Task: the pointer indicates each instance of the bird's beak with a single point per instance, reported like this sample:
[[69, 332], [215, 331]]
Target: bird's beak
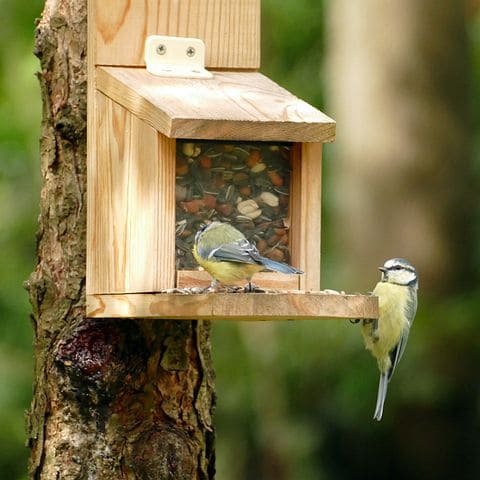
[[384, 273]]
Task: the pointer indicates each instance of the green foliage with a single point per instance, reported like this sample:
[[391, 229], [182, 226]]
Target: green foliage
[[295, 400], [20, 113], [327, 381], [293, 46], [474, 35]]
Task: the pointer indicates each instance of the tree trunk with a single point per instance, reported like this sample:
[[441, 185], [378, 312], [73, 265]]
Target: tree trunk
[[113, 399], [403, 181]]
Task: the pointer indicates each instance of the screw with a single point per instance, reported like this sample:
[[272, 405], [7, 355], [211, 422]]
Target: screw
[[190, 52], [161, 49]]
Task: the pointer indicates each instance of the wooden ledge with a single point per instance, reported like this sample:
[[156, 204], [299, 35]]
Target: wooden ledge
[[232, 306], [264, 280], [231, 106]]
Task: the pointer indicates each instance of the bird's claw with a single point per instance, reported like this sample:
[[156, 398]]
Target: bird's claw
[[374, 332], [214, 287], [252, 288]]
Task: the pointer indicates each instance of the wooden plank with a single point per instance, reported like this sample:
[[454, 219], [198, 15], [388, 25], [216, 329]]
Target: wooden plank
[[132, 192], [150, 246], [229, 28], [268, 280], [233, 306], [231, 106], [164, 220], [92, 174], [306, 197], [104, 257]]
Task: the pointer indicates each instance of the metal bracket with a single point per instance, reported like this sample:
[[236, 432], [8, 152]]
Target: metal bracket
[[176, 57]]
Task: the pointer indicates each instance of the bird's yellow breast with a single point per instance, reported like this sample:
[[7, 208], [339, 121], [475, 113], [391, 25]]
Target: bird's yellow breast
[[227, 272], [392, 302]]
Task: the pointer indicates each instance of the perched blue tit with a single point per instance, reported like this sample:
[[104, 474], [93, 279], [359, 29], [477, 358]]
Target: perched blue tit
[[387, 337], [225, 253]]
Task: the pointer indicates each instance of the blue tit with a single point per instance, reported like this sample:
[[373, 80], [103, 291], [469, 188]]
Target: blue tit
[[387, 337], [225, 253]]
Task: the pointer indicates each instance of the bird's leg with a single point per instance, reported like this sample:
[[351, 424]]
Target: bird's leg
[[214, 286], [252, 288], [374, 333]]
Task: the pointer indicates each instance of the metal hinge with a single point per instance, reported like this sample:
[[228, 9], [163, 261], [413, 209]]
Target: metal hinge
[[176, 57]]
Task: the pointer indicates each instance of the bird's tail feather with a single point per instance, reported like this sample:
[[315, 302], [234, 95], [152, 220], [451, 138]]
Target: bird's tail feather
[[382, 393], [279, 267]]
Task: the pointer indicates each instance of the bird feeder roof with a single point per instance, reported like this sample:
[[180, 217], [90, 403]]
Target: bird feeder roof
[[230, 106]]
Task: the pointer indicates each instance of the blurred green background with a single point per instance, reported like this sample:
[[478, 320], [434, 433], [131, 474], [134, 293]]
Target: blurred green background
[[295, 399]]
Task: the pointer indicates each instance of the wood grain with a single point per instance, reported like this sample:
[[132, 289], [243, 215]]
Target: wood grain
[[305, 212], [92, 172], [269, 280], [231, 106], [229, 28], [233, 306], [131, 221]]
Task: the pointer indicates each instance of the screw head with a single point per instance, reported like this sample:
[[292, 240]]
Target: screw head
[[190, 52], [161, 49]]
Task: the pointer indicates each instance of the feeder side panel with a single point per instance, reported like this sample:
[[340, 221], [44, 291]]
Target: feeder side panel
[[132, 214], [306, 212]]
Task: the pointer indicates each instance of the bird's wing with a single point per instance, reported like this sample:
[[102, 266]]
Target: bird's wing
[[241, 251], [397, 352]]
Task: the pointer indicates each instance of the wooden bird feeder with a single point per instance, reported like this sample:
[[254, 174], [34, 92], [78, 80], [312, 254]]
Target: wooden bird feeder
[[166, 153]]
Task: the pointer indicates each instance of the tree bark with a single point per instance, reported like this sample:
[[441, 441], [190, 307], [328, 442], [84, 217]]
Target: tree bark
[[403, 178], [113, 399]]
